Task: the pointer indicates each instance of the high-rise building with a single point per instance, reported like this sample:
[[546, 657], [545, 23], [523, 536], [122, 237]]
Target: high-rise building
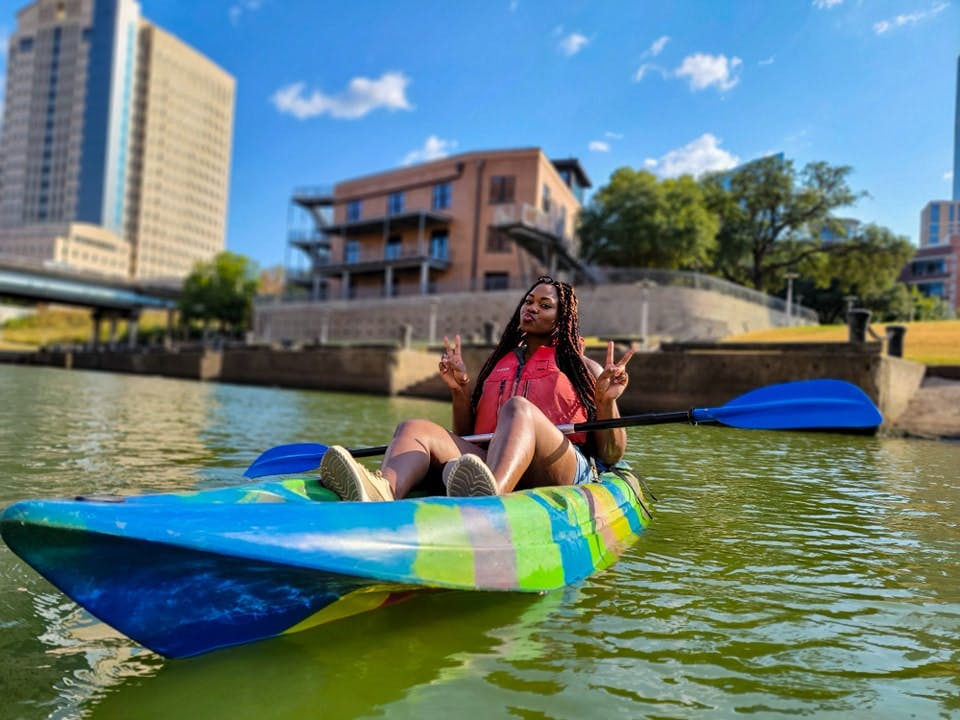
[[956, 140], [115, 148]]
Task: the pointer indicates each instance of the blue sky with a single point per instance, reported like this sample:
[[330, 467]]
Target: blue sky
[[332, 90]]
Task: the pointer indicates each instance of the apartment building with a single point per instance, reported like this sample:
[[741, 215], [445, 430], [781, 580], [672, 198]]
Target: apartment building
[[115, 147], [475, 221]]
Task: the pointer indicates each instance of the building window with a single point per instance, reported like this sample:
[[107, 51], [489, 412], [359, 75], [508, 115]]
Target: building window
[[545, 199], [394, 248], [395, 203], [439, 245], [934, 213], [498, 241], [354, 210], [351, 251], [496, 281], [501, 189], [441, 196]]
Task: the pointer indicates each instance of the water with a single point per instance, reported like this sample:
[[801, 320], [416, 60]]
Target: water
[[785, 574]]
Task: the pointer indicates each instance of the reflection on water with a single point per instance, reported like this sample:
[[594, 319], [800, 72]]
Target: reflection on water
[[784, 574]]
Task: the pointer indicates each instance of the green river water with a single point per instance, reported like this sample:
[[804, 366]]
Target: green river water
[[785, 574]]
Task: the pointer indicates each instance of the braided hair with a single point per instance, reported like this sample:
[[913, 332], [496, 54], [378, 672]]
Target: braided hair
[[566, 340]]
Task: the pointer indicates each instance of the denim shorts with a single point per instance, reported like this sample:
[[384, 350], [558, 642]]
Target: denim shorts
[[585, 469]]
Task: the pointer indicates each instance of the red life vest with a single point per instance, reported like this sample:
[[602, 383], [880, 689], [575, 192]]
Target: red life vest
[[540, 381]]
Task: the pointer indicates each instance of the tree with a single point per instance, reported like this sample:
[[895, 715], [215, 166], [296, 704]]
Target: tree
[[220, 291], [637, 220], [771, 218], [865, 265]]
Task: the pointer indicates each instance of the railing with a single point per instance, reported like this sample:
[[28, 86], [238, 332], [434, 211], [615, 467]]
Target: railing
[[551, 223], [702, 282]]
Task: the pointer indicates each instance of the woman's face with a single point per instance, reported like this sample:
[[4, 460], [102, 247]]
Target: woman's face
[[538, 311]]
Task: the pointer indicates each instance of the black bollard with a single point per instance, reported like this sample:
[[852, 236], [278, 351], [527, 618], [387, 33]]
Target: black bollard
[[857, 321], [895, 335]]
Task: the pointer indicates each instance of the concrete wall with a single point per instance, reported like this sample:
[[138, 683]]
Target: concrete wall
[[669, 380], [678, 313]]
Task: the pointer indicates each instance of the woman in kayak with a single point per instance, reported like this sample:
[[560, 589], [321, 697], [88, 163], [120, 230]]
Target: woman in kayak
[[535, 379]]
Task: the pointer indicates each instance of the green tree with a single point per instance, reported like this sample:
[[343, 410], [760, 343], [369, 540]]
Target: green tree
[[637, 220], [865, 265], [771, 217], [220, 291]]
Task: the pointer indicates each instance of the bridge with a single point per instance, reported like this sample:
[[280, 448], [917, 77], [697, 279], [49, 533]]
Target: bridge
[[110, 298]]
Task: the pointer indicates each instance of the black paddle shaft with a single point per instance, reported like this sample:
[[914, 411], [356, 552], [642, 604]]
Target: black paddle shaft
[[588, 425]]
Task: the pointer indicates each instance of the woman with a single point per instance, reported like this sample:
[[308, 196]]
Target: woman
[[535, 379]]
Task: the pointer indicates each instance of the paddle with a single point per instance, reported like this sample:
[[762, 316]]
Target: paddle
[[802, 405]]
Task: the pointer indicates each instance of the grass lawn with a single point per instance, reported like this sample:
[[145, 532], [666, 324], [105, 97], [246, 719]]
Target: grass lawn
[[65, 325], [932, 342]]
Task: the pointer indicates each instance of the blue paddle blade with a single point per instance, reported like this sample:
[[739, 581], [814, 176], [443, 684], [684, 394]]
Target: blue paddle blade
[[802, 405], [284, 459]]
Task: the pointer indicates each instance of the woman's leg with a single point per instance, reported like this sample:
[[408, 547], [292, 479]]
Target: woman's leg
[[527, 446], [419, 447]]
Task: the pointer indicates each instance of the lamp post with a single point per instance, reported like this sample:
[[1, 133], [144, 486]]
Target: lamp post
[[644, 286], [790, 276]]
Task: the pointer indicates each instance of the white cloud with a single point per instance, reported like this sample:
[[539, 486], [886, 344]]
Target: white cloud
[[702, 155], [826, 4], [613, 135], [244, 6], [573, 43], [433, 148], [657, 46], [706, 70], [599, 146], [768, 61], [362, 96], [645, 68], [948, 175], [898, 21]]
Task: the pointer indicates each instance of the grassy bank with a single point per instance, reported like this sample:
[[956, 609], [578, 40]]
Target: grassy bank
[[933, 343], [51, 326]]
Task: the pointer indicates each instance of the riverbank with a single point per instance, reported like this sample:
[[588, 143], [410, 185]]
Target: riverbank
[[675, 377]]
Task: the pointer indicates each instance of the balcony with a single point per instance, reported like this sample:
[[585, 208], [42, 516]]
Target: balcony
[[542, 234], [412, 220], [406, 257]]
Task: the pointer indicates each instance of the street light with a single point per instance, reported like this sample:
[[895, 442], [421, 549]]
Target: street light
[[790, 276]]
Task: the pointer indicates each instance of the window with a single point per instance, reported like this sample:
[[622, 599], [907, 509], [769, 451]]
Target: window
[[496, 281], [351, 251], [439, 245], [354, 210], [395, 204], [545, 199], [501, 189], [441, 196], [498, 241], [394, 248]]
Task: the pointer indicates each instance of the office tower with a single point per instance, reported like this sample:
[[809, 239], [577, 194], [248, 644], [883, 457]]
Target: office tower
[[115, 150], [956, 140]]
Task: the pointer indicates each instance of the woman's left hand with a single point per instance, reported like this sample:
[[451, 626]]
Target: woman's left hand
[[612, 381]]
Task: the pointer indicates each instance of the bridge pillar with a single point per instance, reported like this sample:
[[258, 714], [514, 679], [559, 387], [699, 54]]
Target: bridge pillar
[[132, 320], [168, 335], [96, 317], [113, 331]]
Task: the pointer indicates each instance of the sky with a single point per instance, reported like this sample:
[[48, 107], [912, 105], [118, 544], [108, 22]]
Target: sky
[[328, 91]]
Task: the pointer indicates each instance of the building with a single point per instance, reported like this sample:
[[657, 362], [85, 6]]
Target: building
[[115, 152], [935, 271], [475, 221], [956, 140]]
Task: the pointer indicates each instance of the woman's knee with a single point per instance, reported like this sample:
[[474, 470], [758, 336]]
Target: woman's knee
[[518, 408], [417, 428]]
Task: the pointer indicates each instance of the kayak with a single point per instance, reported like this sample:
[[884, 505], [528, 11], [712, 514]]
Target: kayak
[[187, 573]]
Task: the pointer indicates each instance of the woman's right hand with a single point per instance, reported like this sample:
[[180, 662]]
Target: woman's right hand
[[452, 369]]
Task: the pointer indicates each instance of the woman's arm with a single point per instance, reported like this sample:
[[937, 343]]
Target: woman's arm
[[611, 381], [454, 374]]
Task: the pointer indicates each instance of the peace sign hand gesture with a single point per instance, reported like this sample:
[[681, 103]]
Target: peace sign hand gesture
[[452, 368], [612, 381]]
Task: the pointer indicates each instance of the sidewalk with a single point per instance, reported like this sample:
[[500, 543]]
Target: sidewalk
[[934, 411]]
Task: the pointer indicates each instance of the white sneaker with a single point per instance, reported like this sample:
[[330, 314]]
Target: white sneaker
[[470, 477], [350, 480]]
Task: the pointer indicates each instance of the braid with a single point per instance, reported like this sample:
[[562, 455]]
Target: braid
[[566, 344]]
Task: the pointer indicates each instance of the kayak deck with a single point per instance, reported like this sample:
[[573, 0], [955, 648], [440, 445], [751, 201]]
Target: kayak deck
[[186, 573]]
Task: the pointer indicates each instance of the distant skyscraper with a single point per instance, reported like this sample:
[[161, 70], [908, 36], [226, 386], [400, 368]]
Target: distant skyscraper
[[956, 140], [115, 153]]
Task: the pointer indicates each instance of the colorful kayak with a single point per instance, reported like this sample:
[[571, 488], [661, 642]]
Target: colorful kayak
[[187, 573]]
